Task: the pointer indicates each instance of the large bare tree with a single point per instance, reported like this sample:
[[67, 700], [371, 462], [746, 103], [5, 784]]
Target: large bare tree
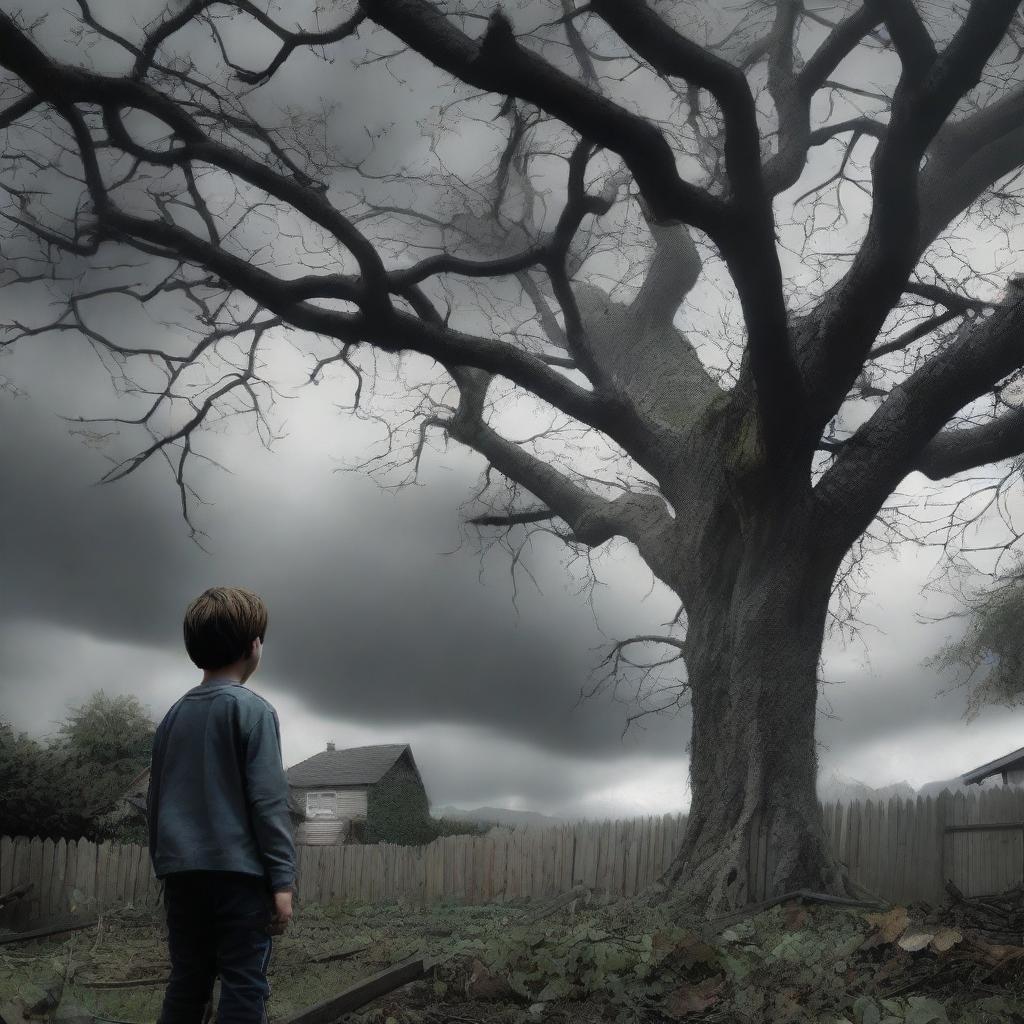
[[746, 467]]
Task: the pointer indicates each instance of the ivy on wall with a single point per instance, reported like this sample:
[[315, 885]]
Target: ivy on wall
[[398, 812]]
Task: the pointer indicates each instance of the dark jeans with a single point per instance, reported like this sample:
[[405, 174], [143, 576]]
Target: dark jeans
[[217, 925]]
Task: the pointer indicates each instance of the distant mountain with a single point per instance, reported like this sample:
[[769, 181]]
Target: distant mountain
[[837, 788], [496, 816], [843, 789], [956, 786]]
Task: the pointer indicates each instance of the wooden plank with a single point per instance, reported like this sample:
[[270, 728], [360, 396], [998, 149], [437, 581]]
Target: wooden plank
[[871, 842], [584, 855], [21, 913], [600, 853], [609, 839], [85, 869], [633, 856], [123, 855], [58, 880], [363, 992], [143, 876], [35, 856], [552, 849], [131, 872], [70, 874], [113, 880], [355, 853], [103, 853], [530, 866], [69, 924], [920, 849], [557, 844], [526, 864], [887, 850], [926, 857], [46, 878], [642, 847], [878, 824], [6, 862], [654, 869], [129, 865]]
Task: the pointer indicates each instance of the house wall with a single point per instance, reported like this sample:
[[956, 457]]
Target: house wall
[[398, 810], [351, 800], [1015, 777]]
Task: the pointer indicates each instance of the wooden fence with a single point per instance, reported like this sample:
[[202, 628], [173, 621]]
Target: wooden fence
[[902, 849]]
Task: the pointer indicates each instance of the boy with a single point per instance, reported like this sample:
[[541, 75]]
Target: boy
[[219, 833]]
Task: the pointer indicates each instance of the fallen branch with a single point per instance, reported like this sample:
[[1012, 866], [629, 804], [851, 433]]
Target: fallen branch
[[324, 957], [717, 923], [364, 991], [556, 904], [16, 894], [72, 925], [132, 983]]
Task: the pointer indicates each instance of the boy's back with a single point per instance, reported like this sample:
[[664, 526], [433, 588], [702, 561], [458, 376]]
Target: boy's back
[[219, 833], [218, 796]]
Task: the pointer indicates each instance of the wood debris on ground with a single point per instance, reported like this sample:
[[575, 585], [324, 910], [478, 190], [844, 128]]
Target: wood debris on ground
[[588, 959]]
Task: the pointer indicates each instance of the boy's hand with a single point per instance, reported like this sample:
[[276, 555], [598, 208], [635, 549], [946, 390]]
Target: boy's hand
[[282, 913]]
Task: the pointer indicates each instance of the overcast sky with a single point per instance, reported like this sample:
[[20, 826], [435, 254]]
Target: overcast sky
[[382, 627]]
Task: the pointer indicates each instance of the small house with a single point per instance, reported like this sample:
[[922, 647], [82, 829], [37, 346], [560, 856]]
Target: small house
[[1009, 766], [379, 786]]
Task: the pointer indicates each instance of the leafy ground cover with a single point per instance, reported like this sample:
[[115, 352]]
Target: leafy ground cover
[[596, 960]]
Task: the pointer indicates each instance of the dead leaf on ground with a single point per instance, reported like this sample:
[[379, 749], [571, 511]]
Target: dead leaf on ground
[[695, 998], [889, 926], [915, 939], [794, 916], [946, 938], [786, 1006], [998, 955], [483, 984]]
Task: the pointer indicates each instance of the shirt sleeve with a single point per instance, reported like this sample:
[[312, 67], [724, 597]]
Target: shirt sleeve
[[266, 788], [151, 795]]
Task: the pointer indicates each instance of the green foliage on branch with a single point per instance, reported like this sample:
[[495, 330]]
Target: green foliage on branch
[[989, 657]]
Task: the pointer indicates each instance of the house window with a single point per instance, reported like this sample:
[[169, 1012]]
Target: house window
[[322, 805]]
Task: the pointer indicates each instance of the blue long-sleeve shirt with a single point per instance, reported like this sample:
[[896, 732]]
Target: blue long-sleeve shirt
[[218, 793]]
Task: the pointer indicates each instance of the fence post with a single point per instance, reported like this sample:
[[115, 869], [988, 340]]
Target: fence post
[[942, 818]]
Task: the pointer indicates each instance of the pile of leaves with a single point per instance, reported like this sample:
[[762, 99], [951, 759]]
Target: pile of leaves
[[592, 960], [788, 964]]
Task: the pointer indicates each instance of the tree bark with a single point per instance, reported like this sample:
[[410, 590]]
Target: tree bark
[[754, 640]]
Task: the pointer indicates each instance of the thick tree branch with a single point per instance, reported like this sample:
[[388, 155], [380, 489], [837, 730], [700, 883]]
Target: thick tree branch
[[954, 451], [891, 443], [593, 520], [909, 35], [856, 307], [748, 243], [500, 65]]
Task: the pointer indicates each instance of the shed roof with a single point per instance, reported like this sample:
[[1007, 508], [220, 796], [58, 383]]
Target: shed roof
[[1000, 764], [356, 766], [135, 788]]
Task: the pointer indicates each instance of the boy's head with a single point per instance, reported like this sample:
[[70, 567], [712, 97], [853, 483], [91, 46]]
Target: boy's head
[[221, 625]]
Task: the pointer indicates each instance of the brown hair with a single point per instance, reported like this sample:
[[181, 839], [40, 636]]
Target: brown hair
[[221, 624]]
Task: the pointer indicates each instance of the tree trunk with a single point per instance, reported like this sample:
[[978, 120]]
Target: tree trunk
[[755, 628]]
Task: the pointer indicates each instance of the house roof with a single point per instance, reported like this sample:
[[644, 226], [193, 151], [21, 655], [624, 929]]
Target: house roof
[[1000, 764], [356, 766]]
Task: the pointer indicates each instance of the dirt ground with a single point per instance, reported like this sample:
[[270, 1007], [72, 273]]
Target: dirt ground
[[598, 959]]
